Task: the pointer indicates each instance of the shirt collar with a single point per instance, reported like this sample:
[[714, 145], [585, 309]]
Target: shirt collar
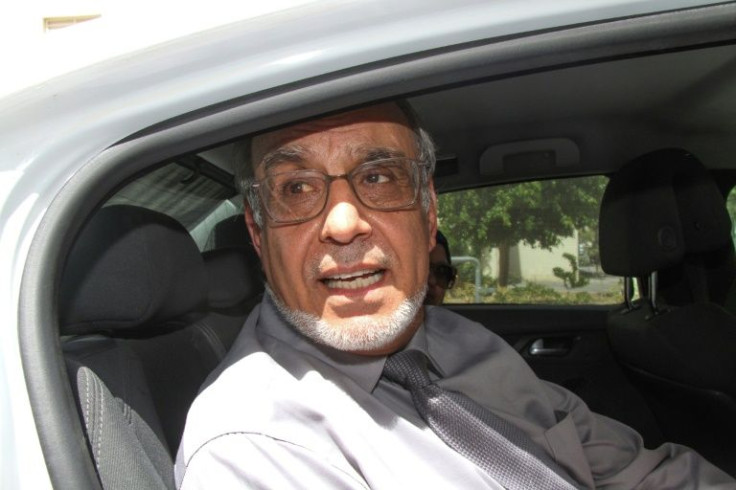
[[419, 342], [363, 370]]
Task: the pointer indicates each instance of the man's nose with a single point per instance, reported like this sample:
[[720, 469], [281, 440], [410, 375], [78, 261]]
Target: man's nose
[[344, 215]]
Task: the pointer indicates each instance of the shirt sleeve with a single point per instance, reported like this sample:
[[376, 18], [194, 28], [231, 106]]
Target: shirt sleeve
[[246, 460], [618, 459]]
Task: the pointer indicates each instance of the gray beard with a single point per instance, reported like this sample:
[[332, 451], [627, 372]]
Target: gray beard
[[354, 334]]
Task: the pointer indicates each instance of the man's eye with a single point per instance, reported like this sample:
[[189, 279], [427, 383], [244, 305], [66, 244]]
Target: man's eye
[[297, 187], [377, 178]]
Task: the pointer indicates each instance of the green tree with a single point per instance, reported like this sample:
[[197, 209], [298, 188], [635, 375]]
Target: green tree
[[538, 213]]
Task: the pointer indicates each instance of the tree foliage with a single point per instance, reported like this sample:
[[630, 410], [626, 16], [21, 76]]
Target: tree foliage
[[537, 213]]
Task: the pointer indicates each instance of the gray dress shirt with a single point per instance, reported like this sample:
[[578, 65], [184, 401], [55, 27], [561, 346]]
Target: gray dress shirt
[[282, 412]]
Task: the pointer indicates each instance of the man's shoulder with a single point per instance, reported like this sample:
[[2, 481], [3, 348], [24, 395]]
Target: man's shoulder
[[448, 316], [454, 340], [235, 386], [457, 327], [235, 401], [256, 398]]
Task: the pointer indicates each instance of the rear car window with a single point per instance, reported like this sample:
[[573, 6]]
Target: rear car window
[[534, 242], [187, 194]]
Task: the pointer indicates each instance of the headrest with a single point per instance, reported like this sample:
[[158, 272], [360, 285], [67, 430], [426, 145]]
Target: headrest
[[706, 224], [231, 232], [130, 268], [655, 210], [234, 276]]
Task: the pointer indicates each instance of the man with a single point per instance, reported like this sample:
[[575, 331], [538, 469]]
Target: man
[[442, 274], [342, 212]]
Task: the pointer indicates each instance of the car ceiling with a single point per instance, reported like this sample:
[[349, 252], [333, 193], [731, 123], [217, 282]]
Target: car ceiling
[[613, 111]]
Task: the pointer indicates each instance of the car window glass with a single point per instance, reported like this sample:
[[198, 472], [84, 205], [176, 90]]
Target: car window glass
[[731, 205], [532, 242], [193, 199]]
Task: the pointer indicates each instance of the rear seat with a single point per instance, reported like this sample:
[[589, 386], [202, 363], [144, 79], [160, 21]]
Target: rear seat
[[144, 319]]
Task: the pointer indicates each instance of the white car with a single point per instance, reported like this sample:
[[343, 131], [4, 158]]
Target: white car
[[521, 97]]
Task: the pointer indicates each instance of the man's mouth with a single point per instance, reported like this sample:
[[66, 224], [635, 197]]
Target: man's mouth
[[354, 280]]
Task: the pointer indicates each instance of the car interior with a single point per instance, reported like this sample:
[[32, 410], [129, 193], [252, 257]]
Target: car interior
[[153, 274]]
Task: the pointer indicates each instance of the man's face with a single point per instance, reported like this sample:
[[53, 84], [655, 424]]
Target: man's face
[[350, 267]]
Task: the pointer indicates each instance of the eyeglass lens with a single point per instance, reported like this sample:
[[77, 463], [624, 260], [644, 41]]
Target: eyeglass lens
[[302, 194]]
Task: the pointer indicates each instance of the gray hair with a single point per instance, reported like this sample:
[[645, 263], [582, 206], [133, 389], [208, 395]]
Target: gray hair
[[245, 171]]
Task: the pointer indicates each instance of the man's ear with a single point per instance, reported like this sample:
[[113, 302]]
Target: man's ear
[[253, 229], [432, 216]]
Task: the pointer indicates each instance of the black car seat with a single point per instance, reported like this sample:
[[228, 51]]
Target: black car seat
[[656, 211], [140, 336], [231, 232], [707, 271], [234, 272]]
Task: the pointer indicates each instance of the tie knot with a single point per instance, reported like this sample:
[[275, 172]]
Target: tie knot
[[408, 368]]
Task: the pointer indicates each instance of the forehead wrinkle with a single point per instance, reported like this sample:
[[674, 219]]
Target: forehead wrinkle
[[334, 149], [373, 153], [293, 153]]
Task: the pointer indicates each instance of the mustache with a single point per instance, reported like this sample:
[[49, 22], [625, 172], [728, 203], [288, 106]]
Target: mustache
[[352, 254]]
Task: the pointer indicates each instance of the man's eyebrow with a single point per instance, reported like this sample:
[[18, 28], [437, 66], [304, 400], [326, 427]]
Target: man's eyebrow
[[379, 153], [281, 155]]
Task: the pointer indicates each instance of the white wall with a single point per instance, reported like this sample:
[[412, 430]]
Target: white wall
[[536, 264]]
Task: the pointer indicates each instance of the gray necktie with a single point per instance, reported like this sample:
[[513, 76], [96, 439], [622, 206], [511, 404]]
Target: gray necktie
[[501, 449]]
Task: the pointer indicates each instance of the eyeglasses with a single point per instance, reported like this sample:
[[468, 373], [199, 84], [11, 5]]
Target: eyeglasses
[[298, 196], [443, 275]]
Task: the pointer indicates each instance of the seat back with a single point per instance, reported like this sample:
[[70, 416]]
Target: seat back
[[708, 269], [230, 232], [657, 211], [127, 453], [141, 330]]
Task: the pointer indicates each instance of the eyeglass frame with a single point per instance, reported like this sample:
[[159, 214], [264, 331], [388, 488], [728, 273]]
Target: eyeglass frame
[[417, 166]]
